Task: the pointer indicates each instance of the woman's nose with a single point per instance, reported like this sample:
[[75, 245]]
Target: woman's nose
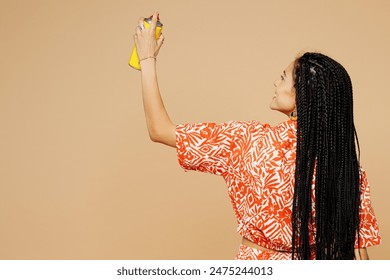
[[275, 83]]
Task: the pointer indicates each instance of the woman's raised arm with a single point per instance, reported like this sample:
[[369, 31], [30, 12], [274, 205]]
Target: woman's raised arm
[[161, 128]]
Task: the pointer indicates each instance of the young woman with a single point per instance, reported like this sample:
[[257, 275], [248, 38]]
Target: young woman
[[298, 189]]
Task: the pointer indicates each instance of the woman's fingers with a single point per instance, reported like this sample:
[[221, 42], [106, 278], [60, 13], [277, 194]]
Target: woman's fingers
[[160, 41], [137, 30], [154, 21], [141, 22]]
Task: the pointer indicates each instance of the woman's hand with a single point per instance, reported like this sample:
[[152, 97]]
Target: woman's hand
[[145, 38]]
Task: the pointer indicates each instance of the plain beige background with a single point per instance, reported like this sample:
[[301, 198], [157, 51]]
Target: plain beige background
[[79, 177]]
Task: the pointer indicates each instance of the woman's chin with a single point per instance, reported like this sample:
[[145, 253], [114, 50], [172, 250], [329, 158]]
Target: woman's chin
[[272, 106]]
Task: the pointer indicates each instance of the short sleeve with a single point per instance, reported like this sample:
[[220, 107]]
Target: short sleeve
[[369, 230], [205, 147]]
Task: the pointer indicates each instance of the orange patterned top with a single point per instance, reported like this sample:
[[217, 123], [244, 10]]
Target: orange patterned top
[[257, 162]]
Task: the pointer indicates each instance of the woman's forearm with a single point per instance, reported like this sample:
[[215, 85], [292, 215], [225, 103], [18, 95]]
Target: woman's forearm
[[160, 127]]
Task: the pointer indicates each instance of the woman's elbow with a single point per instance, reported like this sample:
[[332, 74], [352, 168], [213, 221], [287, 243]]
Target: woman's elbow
[[166, 136], [153, 135]]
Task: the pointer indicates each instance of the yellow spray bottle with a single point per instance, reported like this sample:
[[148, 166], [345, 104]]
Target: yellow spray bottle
[[134, 59]]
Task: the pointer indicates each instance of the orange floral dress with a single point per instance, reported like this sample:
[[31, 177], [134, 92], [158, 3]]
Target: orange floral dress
[[257, 162]]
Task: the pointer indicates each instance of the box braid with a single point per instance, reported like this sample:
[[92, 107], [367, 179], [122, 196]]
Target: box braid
[[325, 141]]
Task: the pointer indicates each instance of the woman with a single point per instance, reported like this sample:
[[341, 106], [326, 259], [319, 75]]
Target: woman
[[306, 199]]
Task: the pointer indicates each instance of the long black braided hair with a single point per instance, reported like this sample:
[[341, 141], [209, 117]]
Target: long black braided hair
[[325, 142]]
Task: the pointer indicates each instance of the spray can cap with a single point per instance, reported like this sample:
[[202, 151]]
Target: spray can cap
[[149, 20]]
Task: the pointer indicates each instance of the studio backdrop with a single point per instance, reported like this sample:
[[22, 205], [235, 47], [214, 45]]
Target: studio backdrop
[[79, 176]]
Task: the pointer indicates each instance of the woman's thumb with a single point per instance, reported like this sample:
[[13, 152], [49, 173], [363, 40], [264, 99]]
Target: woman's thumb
[[160, 40]]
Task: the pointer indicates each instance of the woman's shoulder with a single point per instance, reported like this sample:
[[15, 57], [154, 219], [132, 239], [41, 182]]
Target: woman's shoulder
[[253, 128], [250, 126], [256, 125]]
